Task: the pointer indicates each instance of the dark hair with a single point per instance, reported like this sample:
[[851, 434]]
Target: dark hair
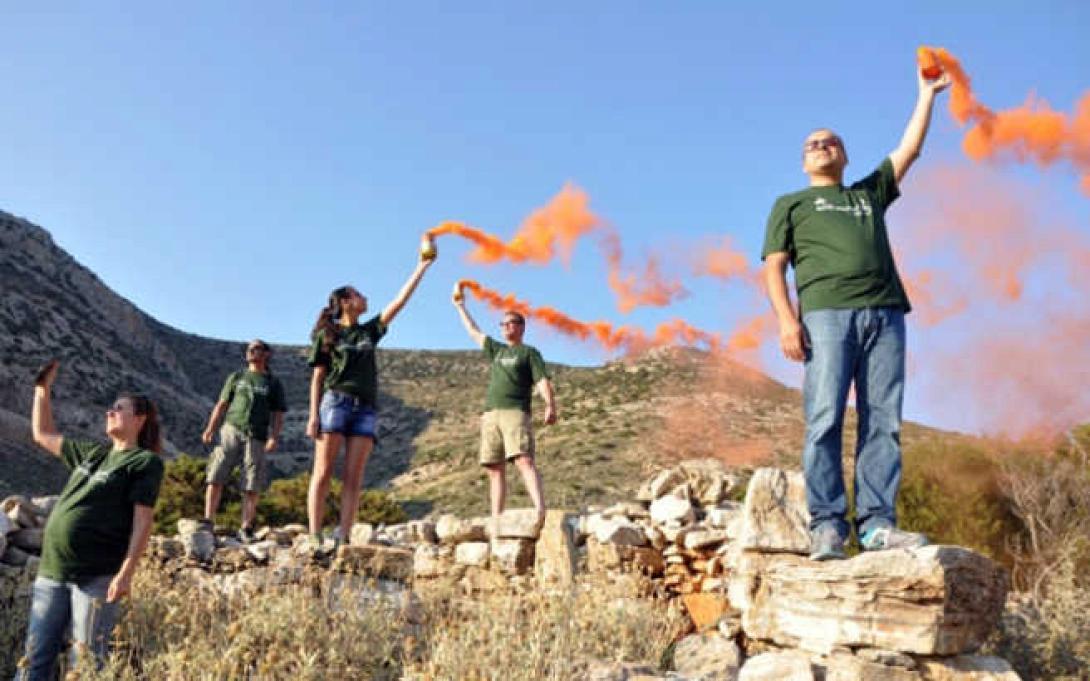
[[259, 343], [149, 436], [327, 318], [517, 316]]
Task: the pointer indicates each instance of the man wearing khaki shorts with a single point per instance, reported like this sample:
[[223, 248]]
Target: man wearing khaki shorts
[[253, 400], [506, 427]]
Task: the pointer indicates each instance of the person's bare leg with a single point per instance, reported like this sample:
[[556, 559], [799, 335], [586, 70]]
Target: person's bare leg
[[355, 461], [532, 479], [249, 509], [325, 453], [497, 493], [212, 495]]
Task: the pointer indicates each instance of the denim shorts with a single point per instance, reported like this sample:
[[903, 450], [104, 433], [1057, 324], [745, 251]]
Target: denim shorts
[[347, 415]]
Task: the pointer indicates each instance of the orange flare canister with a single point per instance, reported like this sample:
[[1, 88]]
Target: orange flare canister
[[929, 64]]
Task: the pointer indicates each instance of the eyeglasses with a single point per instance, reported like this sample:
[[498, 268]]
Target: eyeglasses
[[823, 143]]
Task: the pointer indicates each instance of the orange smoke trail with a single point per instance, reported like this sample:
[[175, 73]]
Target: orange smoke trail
[[752, 333], [1032, 132], [722, 262], [609, 336], [648, 288], [550, 230]]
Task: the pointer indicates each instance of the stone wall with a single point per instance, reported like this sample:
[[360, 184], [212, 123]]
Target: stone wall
[[760, 608]]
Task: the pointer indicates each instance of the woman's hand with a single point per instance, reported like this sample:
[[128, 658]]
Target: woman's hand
[[47, 374], [312, 427], [120, 585]]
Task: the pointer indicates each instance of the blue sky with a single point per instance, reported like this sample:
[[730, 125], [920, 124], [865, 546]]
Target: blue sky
[[224, 165]]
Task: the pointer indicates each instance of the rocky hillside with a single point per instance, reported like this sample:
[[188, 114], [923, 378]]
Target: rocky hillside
[[616, 419]]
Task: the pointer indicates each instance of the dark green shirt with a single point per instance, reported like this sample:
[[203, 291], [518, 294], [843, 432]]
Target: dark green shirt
[[252, 397], [516, 369], [836, 237], [351, 361], [89, 529]]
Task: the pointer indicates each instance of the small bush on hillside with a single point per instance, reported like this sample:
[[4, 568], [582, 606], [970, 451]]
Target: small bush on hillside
[[1047, 634], [182, 493], [953, 493]]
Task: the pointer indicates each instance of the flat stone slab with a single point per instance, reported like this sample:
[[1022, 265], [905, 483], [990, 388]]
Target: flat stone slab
[[937, 600]]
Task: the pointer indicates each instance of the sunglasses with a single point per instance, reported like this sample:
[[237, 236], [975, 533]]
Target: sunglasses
[[116, 408], [257, 348], [823, 143], [510, 322]]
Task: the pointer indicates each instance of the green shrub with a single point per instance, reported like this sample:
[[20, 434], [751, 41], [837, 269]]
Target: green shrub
[[182, 496], [953, 493]]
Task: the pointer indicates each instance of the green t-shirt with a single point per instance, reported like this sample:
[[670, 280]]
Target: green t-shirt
[[351, 361], [89, 529], [252, 396], [836, 237], [516, 369]]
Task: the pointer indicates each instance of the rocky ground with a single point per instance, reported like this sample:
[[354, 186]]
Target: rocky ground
[[759, 609]]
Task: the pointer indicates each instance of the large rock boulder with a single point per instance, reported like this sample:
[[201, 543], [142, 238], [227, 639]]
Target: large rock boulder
[[789, 665], [937, 600], [517, 523], [451, 529], [774, 516], [513, 556], [672, 509], [199, 542], [967, 668], [707, 656]]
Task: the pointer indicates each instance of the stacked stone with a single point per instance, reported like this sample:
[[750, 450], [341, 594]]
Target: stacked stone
[[679, 529], [761, 608], [22, 522], [916, 615]]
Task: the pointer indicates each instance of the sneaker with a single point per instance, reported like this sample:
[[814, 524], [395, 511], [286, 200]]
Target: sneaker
[[310, 545], [338, 538], [246, 535], [826, 544], [206, 524], [887, 537]]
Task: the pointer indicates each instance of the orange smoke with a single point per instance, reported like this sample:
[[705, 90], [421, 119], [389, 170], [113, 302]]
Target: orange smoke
[[752, 333], [549, 231], [1004, 271], [609, 336], [722, 262], [1031, 132], [647, 288]]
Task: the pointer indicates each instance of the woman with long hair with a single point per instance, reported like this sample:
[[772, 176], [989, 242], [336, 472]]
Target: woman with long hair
[[343, 392], [97, 531]]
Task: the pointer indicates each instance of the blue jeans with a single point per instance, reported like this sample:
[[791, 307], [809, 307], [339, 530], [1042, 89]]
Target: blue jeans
[[865, 346], [60, 610]]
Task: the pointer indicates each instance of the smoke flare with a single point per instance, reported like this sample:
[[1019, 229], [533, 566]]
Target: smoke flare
[[609, 336], [549, 231], [1031, 132]]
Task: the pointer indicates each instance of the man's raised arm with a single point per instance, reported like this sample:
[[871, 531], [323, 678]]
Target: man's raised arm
[[912, 141]]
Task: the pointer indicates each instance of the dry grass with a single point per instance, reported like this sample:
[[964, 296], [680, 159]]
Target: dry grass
[[168, 633]]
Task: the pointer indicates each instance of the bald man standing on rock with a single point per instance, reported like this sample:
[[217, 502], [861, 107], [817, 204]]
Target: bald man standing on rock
[[848, 329]]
